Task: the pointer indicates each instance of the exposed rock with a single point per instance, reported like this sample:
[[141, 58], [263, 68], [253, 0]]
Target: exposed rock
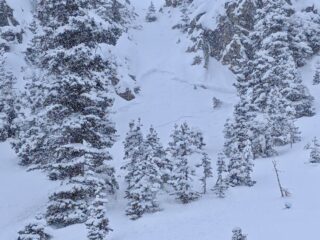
[[175, 3], [228, 42], [224, 43], [6, 15], [127, 94], [10, 31]]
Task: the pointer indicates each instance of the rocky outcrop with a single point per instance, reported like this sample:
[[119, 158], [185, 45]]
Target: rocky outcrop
[[175, 3], [6, 15], [228, 42], [10, 32]]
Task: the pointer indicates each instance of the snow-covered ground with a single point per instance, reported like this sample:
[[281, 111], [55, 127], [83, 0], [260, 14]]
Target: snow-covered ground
[[173, 91], [22, 194]]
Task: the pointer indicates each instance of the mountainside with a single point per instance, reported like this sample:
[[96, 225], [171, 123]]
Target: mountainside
[[186, 62]]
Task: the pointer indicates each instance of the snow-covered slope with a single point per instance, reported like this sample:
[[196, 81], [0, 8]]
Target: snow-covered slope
[[173, 91], [22, 194]]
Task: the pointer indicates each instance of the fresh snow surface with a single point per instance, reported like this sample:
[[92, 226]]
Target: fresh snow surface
[[173, 91], [22, 194]]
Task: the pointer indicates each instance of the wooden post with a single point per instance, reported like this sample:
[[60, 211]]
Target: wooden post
[[278, 178]]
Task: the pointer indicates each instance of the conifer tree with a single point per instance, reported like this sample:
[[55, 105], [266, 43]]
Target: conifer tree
[[7, 101], [238, 235], [132, 149], [197, 140], [244, 141], [70, 100], [185, 24], [221, 184], [315, 150], [273, 62], [180, 149], [144, 171], [236, 130], [240, 166], [299, 41], [160, 155], [185, 18], [248, 159], [117, 12], [206, 171], [246, 125], [316, 76], [35, 230], [151, 15], [309, 24], [97, 223], [280, 116], [145, 184]]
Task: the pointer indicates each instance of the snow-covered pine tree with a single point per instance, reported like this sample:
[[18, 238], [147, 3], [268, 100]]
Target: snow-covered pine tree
[[316, 76], [206, 171], [84, 179], [247, 125], [7, 101], [310, 26], [118, 11], [298, 39], [144, 171], [221, 185], [97, 223], [70, 101], [151, 14], [197, 140], [236, 167], [240, 165], [272, 68], [35, 230], [315, 150], [180, 148], [160, 155], [236, 130], [248, 159], [132, 148], [185, 17], [273, 61], [280, 117], [68, 205], [184, 24], [238, 235]]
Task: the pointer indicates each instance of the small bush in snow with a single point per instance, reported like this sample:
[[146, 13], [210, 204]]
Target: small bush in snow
[[35, 230], [207, 171], [316, 77], [197, 60], [151, 15], [216, 103], [238, 235], [315, 150], [222, 184]]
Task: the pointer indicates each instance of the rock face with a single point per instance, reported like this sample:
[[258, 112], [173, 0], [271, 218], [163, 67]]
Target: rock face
[[6, 15], [228, 42], [175, 3], [10, 31]]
